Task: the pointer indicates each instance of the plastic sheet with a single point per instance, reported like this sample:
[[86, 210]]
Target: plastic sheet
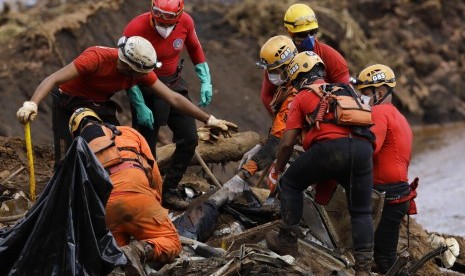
[[64, 233]]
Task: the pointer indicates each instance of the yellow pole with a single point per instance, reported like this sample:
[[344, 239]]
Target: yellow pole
[[30, 158]]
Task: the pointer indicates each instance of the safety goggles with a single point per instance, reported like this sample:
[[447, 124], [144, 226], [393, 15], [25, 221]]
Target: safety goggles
[[302, 21], [157, 12], [304, 35]]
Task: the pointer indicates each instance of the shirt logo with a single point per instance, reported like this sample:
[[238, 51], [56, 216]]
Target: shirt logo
[[177, 44]]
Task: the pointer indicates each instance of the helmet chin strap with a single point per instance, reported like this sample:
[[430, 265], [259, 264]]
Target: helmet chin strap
[[380, 101]]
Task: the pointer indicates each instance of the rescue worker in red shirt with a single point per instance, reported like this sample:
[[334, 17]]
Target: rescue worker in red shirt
[[275, 55], [331, 152], [92, 79], [134, 207], [391, 158], [170, 30], [302, 26]]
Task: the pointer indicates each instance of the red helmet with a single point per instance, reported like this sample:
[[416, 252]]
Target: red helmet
[[167, 11]]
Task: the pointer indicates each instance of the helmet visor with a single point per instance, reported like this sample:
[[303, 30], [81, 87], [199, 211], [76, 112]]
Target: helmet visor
[[159, 13]]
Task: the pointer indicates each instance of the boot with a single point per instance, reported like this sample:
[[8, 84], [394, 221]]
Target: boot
[[363, 263], [137, 253], [172, 199], [285, 241]]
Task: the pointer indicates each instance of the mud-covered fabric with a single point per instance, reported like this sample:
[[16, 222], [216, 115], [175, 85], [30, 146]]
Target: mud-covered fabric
[[64, 233], [349, 162]]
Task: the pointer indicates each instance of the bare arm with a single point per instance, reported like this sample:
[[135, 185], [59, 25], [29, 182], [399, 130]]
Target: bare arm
[[178, 101], [286, 147], [63, 75]]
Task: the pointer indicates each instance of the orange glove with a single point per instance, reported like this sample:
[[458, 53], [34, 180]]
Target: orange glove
[[273, 178]]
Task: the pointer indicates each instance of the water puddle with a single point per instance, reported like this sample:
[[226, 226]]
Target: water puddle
[[439, 161]]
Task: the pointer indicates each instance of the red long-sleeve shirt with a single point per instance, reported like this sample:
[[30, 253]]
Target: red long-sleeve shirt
[[168, 49], [393, 145], [337, 71]]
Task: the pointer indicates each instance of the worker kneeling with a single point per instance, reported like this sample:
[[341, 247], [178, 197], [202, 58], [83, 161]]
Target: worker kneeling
[[134, 208]]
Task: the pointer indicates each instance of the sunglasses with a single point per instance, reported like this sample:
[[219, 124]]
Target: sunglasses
[[157, 12]]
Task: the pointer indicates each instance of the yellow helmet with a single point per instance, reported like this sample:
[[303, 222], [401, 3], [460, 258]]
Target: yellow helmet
[[303, 62], [80, 113], [277, 51], [376, 75], [300, 18]]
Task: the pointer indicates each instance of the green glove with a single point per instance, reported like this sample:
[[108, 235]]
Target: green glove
[[143, 113], [206, 89]]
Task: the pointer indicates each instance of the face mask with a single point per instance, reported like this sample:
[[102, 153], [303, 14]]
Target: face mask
[[164, 31], [275, 79], [307, 44], [365, 99]]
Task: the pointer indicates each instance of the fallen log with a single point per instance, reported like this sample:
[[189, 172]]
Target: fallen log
[[226, 149]]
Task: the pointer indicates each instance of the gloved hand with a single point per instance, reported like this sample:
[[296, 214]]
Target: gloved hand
[[248, 155], [450, 256], [143, 113], [27, 112], [224, 125], [206, 89], [236, 186], [218, 126], [273, 179]]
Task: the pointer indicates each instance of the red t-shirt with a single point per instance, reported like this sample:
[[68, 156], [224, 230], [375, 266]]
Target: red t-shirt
[[393, 145], [169, 49], [337, 71], [98, 76], [306, 102]]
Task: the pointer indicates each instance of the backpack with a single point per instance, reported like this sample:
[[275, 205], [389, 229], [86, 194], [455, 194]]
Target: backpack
[[341, 100]]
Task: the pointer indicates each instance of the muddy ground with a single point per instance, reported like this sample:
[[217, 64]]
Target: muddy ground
[[422, 40]]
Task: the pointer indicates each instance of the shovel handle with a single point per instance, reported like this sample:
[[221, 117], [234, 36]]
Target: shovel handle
[[30, 158]]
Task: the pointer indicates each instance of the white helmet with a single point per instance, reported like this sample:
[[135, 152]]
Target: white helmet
[[138, 53]]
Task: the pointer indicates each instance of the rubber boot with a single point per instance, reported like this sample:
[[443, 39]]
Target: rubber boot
[[285, 241], [363, 263], [137, 253]]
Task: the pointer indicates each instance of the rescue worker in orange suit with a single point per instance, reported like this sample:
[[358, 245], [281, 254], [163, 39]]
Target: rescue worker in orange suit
[[331, 152], [92, 79], [391, 159], [170, 29], [302, 26], [134, 208], [275, 55]]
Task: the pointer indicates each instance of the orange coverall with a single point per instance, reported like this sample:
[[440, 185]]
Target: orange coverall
[[134, 208]]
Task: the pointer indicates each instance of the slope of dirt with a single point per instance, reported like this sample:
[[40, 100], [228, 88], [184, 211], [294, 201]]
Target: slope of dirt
[[421, 40]]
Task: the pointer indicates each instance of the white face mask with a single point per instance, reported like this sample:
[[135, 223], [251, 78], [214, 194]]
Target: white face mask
[[275, 79], [164, 31], [365, 99]]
